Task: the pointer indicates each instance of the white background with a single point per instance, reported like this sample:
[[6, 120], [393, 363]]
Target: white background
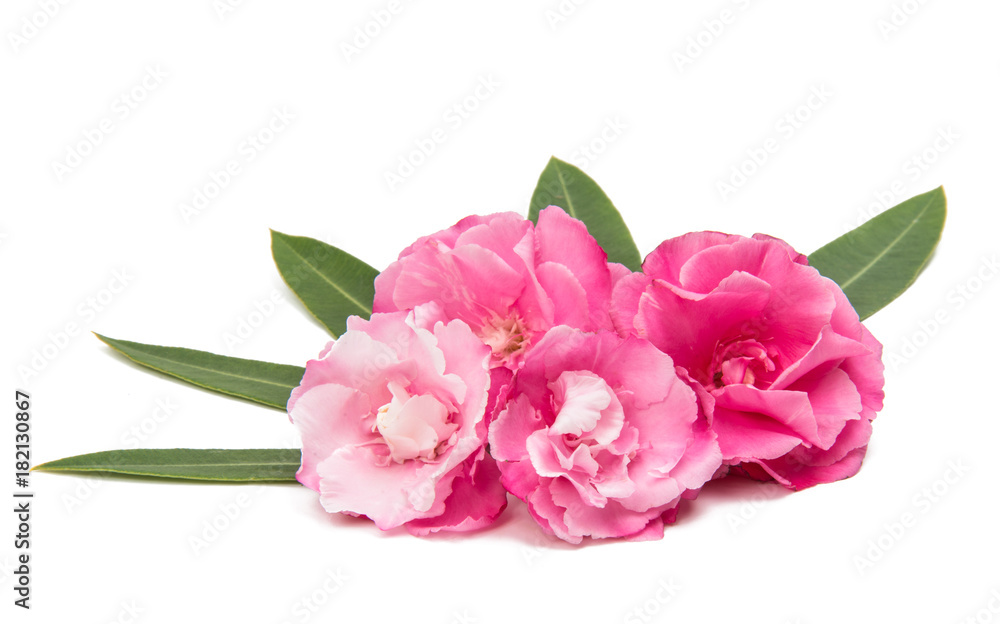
[[672, 129]]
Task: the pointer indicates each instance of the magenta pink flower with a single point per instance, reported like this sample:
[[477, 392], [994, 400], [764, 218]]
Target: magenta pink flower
[[393, 426], [507, 279], [599, 437], [787, 375]]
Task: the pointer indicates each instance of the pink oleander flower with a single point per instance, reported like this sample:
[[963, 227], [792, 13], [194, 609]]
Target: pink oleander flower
[[392, 419], [508, 280], [788, 377], [600, 438]]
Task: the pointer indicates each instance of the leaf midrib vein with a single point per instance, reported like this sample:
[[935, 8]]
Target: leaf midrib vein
[[361, 306], [153, 466], [202, 368], [888, 247], [565, 189]]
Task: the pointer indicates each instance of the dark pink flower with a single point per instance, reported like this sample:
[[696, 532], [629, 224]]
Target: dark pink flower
[[509, 280], [787, 375]]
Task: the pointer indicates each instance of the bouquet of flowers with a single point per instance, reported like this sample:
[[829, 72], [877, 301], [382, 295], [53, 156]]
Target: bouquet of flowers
[[539, 357]]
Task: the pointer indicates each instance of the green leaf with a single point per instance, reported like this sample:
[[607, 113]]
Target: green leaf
[[196, 464], [331, 283], [877, 261], [561, 184], [263, 382]]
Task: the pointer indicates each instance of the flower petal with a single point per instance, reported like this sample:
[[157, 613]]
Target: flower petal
[[328, 417], [477, 499]]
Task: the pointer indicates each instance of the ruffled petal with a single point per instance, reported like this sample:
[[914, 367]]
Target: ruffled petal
[[328, 417], [477, 499]]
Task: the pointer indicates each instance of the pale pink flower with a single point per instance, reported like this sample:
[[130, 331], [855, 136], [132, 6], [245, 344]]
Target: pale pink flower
[[787, 375], [392, 419], [600, 438]]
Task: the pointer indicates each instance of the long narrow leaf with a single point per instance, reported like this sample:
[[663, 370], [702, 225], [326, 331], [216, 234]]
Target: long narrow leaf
[[561, 184], [266, 383], [190, 464], [875, 262], [332, 284]]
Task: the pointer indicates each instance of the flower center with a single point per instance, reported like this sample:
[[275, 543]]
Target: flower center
[[507, 337], [587, 409], [740, 361], [587, 444], [414, 427]]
